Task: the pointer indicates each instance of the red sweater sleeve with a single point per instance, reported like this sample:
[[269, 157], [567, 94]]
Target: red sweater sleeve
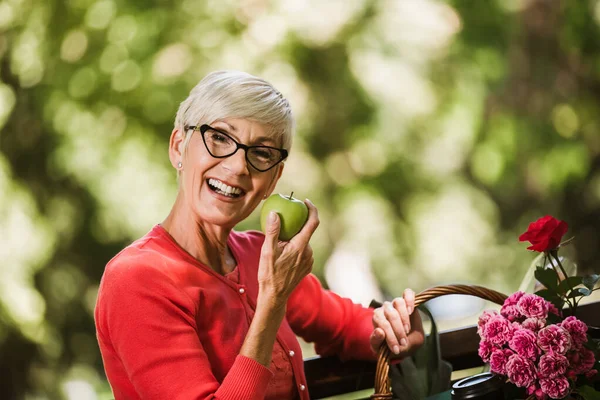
[[336, 325], [148, 324]]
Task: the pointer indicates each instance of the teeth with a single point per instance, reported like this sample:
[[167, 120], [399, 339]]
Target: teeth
[[223, 187]]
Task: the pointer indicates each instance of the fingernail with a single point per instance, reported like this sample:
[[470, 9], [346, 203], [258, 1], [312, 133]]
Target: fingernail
[[272, 217], [409, 309], [396, 349], [403, 342], [406, 328], [309, 201]]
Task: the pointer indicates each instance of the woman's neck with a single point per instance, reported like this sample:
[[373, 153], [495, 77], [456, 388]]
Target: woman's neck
[[205, 242]]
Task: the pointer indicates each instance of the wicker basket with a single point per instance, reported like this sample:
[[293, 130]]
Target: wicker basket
[[382, 380]]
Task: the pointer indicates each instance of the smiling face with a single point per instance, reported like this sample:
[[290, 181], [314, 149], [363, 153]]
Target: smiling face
[[222, 191]]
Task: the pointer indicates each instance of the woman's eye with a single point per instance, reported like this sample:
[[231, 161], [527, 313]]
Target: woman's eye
[[265, 155], [217, 137]]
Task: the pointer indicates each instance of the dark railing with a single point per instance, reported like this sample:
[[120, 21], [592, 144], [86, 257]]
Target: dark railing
[[328, 376]]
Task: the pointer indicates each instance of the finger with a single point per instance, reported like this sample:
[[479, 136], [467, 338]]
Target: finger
[[393, 316], [400, 306], [377, 337], [309, 227], [380, 322], [271, 234], [409, 297], [392, 326]]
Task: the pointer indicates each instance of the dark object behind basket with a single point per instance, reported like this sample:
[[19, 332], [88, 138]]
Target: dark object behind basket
[[478, 387]]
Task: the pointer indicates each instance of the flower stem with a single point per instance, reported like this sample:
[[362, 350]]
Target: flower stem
[[555, 256]]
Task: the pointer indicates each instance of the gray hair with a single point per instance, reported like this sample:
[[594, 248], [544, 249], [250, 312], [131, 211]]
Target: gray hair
[[235, 94]]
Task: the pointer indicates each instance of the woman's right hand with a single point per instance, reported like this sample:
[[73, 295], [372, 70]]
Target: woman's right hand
[[284, 264]]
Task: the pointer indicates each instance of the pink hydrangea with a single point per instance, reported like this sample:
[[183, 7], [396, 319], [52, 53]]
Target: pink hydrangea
[[498, 360], [554, 339], [513, 299], [509, 309], [534, 324], [485, 350], [533, 306], [581, 361], [523, 342], [555, 388], [577, 329], [553, 365], [520, 370], [483, 319], [498, 330], [511, 313], [535, 390], [553, 310]]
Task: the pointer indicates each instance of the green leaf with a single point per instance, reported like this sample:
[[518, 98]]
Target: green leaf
[[569, 283], [590, 281], [588, 393], [549, 295], [579, 292], [547, 277]]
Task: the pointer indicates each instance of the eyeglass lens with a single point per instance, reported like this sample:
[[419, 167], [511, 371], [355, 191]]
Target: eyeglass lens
[[221, 145]]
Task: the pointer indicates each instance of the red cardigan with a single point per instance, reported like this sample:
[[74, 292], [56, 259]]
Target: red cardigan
[[171, 328]]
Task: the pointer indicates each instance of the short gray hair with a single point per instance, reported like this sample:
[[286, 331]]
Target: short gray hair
[[236, 94]]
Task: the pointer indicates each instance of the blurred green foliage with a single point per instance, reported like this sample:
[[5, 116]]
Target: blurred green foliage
[[429, 135]]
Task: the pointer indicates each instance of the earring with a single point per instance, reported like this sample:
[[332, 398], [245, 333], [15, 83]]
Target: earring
[[179, 165]]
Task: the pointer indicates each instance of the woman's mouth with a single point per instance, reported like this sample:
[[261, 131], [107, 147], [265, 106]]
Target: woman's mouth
[[223, 189]]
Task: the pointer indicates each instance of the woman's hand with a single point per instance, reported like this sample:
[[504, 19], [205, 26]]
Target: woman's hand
[[398, 324], [284, 264]]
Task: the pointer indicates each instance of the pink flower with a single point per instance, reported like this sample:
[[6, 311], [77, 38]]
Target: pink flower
[[591, 373], [485, 350], [553, 365], [554, 339], [581, 361], [534, 324], [509, 309], [513, 299], [498, 360], [520, 370], [553, 310], [498, 330], [556, 388], [483, 320], [577, 329], [536, 390], [524, 343], [511, 313], [533, 306]]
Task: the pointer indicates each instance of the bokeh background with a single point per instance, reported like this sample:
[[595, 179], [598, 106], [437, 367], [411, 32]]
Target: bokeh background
[[430, 133]]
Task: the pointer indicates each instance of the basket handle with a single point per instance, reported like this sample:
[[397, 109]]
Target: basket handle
[[382, 380]]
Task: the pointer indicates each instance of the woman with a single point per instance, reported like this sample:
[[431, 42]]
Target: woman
[[195, 310]]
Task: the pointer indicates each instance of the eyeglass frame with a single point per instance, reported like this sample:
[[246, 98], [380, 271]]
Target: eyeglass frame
[[205, 127]]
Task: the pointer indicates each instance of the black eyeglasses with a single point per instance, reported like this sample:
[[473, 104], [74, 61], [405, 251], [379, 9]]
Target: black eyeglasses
[[220, 145]]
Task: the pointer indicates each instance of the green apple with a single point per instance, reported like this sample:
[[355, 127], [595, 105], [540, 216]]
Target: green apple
[[293, 214]]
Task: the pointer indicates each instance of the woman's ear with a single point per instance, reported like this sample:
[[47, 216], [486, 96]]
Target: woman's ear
[[176, 148]]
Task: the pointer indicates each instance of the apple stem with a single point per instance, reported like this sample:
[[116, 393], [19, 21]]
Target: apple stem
[[291, 195]]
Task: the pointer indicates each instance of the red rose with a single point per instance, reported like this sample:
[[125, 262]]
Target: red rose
[[544, 234]]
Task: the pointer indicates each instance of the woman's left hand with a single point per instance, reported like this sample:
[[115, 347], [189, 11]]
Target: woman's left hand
[[398, 324]]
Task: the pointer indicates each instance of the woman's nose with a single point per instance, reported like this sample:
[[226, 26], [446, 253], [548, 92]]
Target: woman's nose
[[237, 163]]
